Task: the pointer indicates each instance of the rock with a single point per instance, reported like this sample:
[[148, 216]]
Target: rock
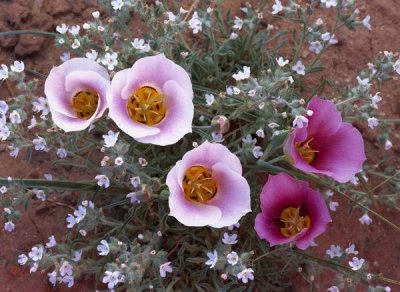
[[17, 15], [9, 41], [58, 7], [28, 44]]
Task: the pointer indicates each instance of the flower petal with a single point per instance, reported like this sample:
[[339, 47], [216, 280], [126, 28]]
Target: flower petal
[[69, 124]]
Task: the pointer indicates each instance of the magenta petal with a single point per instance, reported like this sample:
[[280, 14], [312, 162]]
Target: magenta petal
[[268, 230], [325, 120], [178, 119], [342, 155], [233, 195]]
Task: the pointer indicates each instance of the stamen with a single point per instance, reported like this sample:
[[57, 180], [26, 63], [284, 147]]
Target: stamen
[[146, 106], [293, 222], [305, 151], [198, 184], [85, 103]]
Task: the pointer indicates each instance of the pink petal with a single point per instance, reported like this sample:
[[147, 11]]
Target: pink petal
[[69, 124]]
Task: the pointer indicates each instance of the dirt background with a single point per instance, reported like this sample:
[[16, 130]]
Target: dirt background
[[378, 243]]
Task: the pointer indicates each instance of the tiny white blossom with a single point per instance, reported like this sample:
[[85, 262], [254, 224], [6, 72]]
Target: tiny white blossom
[[3, 190], [232, 258], [260, 133], [212, 259], [242, 75], [164, 269], [366, 23], [39, 194], [110, 60], [333, 206], [171, 16], [113, 278], [33, 123], [217, 137], [22, 259], [80, 213], [363, 81], [77, 255], [133, 198], [76, 44], [71, 221], [195, 23], [66, 269], [356, 263], [69, 280], [135, 181], [83, 232], [373, 122], [139, 44], [333, 289], [257, 152], [300, 122], [233, 36], [7, 211], [252, 93], [9, 226], [74, 30], [3, 107], [351, 249], [18, 66], [101, 28], [246, 275], [388, 144], [52, 277], [52, 242], [396, 67], [119, 161], [142, 161], [117, 4], [334, 251], [34, 268], [329, 3], [315, 47], [182, 10], [86, 26], [41, 105], [277, 7], [3, 72], [238, 23], [248, 140], [36, 253], [92, 55], [365, 219], [15, 118], [282, 62], [110, 139], [229, 239], [62, 29], [375, 100], [209, 99], [103, 248], [102, 180], [96, 14], [299, 68], [62, 153]]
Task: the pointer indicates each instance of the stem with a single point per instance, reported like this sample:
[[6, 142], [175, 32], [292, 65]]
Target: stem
[[18, 32]]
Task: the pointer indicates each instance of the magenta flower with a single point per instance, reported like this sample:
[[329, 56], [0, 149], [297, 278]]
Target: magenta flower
[[76, 93], [207, 187], [326, 145], [290, 211], [152, 101]]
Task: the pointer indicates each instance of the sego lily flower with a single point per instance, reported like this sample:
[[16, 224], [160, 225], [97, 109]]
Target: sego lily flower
[[207, 187], [326, 145], [290, 211], [152, 101], [76, 92]]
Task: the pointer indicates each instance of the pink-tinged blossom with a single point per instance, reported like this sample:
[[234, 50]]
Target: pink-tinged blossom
[[204, 185], [76, 93], [165, 268], [327, 145], [152, 101], [246, 275], [290, 211]]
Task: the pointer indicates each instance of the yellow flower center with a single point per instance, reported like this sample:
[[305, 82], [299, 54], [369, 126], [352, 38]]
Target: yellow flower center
[[293, 222], [146, 106], [85, 103], [305, 151], [198, 184]]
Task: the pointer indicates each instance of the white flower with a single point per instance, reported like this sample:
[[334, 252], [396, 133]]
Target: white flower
[[257, 153], [171, 16], [282, 62], [366, 23], [74, 30], [388, 144], [92, 55], [334, 251], [96, 14], [356, 263], [315, 47], [62, 29], [273, 125], [62, 153], [139, 44], [365, 219], [232, 258], [209, 99], [48, 176], [3, 72], [9, 226], [300, 122], [260, 133], [242, 75], [117, 4], [77, 255], [217, 137], [80, 214], [52, 277], [373, 122], [110, 139], [76, 44], [212, 259], [39, 194], [52, 242], [327, 37], [40, 144], [277, 7], [36, 253], [101, 28], [119, 161], [351, 249], [102, 180], [113, 278], [246, 275], [71, 221], [22, 259], [299, 68], [86, 25], [33, 123], [396, 67], [252, 93], [329, 3], [103, 248], [7, 211], [34, 268], [17, 67], [41, 105], [248, 140], [3, 190], [142, 161], [363, 81], [333, 289], [83, 232], [233, 36], [3, 107], [66, 269], [333, 206], [195, 23], [165, 268], [375, 100], [354, 180], [135, 181], [229, 239], [4, 133], [15, 118], [110, 60], [69, 280], [238, 23]]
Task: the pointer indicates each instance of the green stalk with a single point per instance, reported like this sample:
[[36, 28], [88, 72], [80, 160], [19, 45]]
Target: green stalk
[[18, 32]]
